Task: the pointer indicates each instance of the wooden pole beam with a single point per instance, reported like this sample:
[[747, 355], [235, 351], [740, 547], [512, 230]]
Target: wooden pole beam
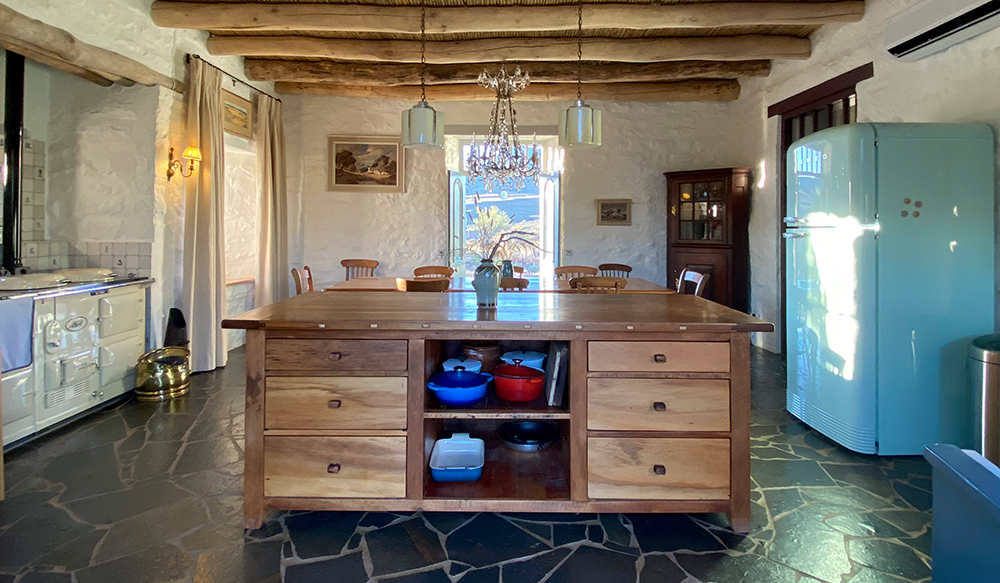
[[296, 17], [699, 90], [59, 45], [643, 50], [51, 60], [391, 74]]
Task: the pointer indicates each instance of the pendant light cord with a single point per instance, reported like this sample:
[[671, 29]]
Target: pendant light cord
[[579, 51], [423, 46]]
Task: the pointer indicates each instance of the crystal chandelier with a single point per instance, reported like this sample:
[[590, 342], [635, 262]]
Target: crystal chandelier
[[580, 125], [423, 128], [501, 161]]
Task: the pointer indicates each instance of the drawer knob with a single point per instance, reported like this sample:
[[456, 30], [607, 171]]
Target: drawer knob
[[660, 358], [659, 470], [659, 406], [334, 404], [336, 356], [333, 469]]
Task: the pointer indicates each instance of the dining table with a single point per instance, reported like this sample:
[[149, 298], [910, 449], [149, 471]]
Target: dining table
[[536, 284]]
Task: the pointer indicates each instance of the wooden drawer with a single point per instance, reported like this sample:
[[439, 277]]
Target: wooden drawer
[[335, 403], [658, 404], [325, 354], [658, 468], [335, 467], [658, 356]]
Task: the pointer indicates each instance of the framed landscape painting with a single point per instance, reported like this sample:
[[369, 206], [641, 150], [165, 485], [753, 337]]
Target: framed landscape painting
[[366, 164], [614, 212], [237, 115]]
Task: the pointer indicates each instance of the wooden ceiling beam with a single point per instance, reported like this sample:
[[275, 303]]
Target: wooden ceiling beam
[[470, 19], [699, 90], [644, 50], [392, 74]]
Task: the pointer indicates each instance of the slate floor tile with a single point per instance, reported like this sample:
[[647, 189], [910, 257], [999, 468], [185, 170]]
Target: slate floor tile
[[85, 473], [435, 576], [724, 568], [205, 455], [153, 565], [487, 575], [534, 569], [321, 534], [660, 569], [868, 477], [888, 557], [73, 555], [151, 528], [45, 577], [784, 473], [347, 569], [250, 563], [116, 506], [616, 531], [917, 498], [404, 546], [671, 532], [806, 544], [27, 539], [488, 540], [568, 533], [592, 565], [446, 522]]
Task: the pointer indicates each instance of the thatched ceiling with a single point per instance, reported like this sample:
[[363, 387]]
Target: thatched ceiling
[[663, 49]]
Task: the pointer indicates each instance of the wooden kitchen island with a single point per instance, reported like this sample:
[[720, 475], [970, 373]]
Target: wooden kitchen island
[[655, 418]]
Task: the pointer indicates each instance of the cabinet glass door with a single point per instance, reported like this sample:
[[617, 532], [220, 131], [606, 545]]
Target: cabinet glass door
[[701, 211]]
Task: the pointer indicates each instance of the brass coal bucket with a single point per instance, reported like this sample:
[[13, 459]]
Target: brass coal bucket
[[163, 374]]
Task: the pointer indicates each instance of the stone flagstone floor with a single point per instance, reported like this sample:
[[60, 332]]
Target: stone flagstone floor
[[152, 493]]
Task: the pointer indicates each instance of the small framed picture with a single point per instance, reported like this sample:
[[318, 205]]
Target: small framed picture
[[366, 164], [616, 212], [237, 115]]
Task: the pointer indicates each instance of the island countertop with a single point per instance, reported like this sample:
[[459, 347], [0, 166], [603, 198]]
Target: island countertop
[[516, 311]]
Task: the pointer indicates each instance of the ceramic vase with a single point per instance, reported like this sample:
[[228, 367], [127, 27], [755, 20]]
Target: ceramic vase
[[487, 284], [506, 268]]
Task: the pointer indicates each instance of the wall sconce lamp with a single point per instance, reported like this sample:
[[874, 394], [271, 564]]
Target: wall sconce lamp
[[192, 155]]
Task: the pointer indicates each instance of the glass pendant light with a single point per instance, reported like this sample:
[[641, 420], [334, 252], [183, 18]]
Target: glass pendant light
[[423, 128], [580, 125]]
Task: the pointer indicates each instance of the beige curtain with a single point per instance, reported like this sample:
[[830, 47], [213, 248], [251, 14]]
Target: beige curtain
[[272, 280], [204, 289]]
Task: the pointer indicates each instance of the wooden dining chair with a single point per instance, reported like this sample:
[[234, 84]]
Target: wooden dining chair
[[700, 281], [513, 284], [303, 279], [359, 267], [614, 270], [434, 271], [598, 285], [518, 271], [423, 284], [571, 271]]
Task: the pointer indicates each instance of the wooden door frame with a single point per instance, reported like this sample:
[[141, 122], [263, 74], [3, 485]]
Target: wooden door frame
[[822, 95]]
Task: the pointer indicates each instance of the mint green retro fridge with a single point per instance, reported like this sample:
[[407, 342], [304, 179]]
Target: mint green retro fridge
[[889, 276]]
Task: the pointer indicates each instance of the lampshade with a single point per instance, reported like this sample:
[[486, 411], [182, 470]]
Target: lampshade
[[192, 153], [580, 126], [423, 128]]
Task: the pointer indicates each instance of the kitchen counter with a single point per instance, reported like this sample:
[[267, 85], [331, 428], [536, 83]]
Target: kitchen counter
[[656, 414]]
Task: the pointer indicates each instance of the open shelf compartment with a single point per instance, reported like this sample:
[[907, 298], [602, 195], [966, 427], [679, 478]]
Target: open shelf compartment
[[507, 474], [492, 406]]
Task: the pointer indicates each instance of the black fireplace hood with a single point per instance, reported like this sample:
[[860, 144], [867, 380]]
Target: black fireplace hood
[[13, 131]]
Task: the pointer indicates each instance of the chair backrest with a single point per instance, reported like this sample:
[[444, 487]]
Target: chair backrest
[[700, 281], [513, 283], [614, 269], [598, 285], [303, 279], [359, 267], [571, 271], [433, 271], [518, 270], [423, 284]]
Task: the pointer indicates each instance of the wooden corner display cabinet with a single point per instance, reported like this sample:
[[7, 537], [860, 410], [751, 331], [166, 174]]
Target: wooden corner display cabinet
[[708, 212], [655, 416]]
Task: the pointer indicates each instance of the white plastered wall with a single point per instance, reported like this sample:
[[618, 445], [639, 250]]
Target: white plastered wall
[[958, 85], [125, 26], [404, 231]]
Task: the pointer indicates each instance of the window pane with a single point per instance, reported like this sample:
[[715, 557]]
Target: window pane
[[686, 190], [796, 128], [715, 191], [686, 231], [853, 109], [701, 191], [807, 125], [838, 112], [717, 230], [687, 211]]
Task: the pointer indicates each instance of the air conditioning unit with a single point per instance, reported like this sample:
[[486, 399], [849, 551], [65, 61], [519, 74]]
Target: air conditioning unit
[[934, 25]]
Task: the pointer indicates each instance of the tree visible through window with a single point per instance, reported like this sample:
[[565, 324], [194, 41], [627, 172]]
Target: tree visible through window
[[480, 216]]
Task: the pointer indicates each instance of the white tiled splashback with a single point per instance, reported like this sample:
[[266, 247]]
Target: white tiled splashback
[[32, 192], [121, 257]]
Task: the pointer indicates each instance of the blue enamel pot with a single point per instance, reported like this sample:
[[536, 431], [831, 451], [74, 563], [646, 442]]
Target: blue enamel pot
[[459, 386]]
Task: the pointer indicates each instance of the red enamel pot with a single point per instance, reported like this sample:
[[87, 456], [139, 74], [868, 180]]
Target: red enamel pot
[[516, 382]]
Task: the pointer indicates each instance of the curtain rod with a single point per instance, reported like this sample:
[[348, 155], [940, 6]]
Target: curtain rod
[[231, 76]]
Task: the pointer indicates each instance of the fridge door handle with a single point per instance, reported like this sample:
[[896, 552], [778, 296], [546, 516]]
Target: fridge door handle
[[795, 235]]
